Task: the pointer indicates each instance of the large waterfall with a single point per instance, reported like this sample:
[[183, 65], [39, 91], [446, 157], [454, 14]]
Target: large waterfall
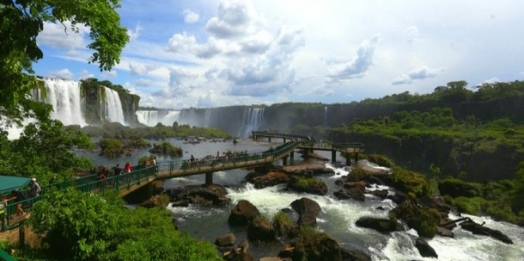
[[65, 98], [153, 117], [252, 120], [113, 107]]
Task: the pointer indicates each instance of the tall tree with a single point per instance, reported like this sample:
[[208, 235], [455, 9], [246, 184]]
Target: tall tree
[[20, 23]]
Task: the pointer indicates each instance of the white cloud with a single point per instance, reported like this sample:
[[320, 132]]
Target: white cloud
[[190, 16], [411, 33], [181, 43], [234, 18], [356, 67], [62, 36], [143, 82], [140, 68], [133, 34], [417, 74], [109, 74], [85, 74], [64, 74]]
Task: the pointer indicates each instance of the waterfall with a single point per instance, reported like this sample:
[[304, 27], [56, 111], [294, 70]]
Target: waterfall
[[325, 115], [153, 117], [65, 98], [252, 119], [113, 107], [207, 117]]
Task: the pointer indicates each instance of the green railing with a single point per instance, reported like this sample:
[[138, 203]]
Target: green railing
[[86, 184], [5, 256]]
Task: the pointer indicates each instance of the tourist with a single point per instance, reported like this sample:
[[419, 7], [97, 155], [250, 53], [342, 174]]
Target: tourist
[[18, 196], [35, 188], [154, 161], [127, 167], [117, 170]]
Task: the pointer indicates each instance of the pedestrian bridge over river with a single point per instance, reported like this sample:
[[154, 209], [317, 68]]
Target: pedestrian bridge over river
[[142, 175]]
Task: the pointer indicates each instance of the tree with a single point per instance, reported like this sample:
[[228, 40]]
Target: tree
[[20, 23]]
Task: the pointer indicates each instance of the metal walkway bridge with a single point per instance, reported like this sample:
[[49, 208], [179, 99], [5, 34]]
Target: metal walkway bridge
[[126, 183]]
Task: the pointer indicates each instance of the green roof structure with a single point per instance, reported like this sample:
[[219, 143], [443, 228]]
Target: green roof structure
[[10, 183]]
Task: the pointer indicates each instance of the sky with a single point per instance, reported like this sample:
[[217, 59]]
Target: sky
[[215, 53]]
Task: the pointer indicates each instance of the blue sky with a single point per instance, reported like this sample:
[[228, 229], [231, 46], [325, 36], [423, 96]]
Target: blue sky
[[211, 53]]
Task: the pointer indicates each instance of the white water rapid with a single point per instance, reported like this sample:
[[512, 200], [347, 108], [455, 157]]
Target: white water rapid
[[113, 107], [152, 118], [338, 218], [65, 98]]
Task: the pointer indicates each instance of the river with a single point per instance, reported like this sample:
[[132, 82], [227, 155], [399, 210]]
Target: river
[[336, 219]]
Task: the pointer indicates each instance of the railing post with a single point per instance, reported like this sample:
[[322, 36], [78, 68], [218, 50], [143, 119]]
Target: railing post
[[209, 178], [333, 156]]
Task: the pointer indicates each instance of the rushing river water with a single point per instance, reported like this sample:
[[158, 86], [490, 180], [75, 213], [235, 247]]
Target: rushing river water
[[336, 219]]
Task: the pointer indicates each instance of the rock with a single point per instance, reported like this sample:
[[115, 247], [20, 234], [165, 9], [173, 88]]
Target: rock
[[307, 210], [155, 201], [180, 203], [259, 229], [478, 229], [354, 255], [424, 248], [274, 259], [201, 195], [379, 224], [398, 197], [239, 253], [307, 185], [226, 240], [442, 231], [270, 179], [382, 194], [355, 192], [319, 248], [242, 213]]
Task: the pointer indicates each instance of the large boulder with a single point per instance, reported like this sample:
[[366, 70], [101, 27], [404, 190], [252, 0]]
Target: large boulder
[[382, 225], [307, 184], [480, 229], [354, 255], [259, 229], [424, 248], [200, 195], [243, 213], [318, 247], [352, 190], [270, 179], [307, 210], [239, 253], [227, 240]]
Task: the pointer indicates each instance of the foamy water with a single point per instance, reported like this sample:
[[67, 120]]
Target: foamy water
[[338, 218]]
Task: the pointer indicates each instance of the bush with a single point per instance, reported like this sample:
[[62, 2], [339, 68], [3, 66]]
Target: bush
[[381, 160], [283, 224]]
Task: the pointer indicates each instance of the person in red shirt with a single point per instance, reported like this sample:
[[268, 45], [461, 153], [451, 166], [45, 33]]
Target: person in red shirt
[[127, 167]]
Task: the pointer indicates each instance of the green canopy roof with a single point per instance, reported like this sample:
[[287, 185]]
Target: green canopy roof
[[10, 183]]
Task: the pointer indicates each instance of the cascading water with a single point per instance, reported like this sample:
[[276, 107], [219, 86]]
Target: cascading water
[[113, 107], [65, 98], [207, 117], [325, 116], [252, 119], [152, 118]]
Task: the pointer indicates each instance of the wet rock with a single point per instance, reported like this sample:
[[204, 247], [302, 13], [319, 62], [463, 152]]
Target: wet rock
[[379, 224], [352, 190], [398, 197], [354, 255], [259, 229], [243, 213], [479, 229], [382, 194], [312, 186], [180, 203], [424, 248], [239, 253], [156, 201], [226, 240], [319, 248], [201, 195], [270, 179], [444, 232], [274, 259], [307, 210]]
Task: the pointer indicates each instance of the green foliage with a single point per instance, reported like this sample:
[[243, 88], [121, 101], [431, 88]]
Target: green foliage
[[457, 188], [410, 182], [111, 148], [84, 226], [167, 149], [145, 160], [305, 183], [381, 160], [44, 151], [423, 220], [283, 224], [20, 24]]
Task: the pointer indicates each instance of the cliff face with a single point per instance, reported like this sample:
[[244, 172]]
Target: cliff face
[[97, 108]]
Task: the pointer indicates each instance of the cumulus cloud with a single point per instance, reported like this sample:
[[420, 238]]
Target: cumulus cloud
[[181, 43], [85, 74], [190, 16], [143, 82], [356, 67], [109, 74], [62, 36], [140, 68], [234, 18], [417, 74], [63, 74], [133, 34], [411, 33]]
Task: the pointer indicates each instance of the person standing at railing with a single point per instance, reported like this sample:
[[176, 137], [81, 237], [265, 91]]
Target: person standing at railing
[[18, 196], [127, 167], [35, 188]]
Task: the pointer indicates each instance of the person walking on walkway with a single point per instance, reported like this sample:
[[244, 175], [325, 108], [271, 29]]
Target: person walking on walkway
[[35, 188]]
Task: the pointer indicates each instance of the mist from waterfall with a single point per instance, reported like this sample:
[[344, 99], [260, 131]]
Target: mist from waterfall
[[65, 98], [152, 118], [325, 116], [252, 120], [207, 117], [113, 107]]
